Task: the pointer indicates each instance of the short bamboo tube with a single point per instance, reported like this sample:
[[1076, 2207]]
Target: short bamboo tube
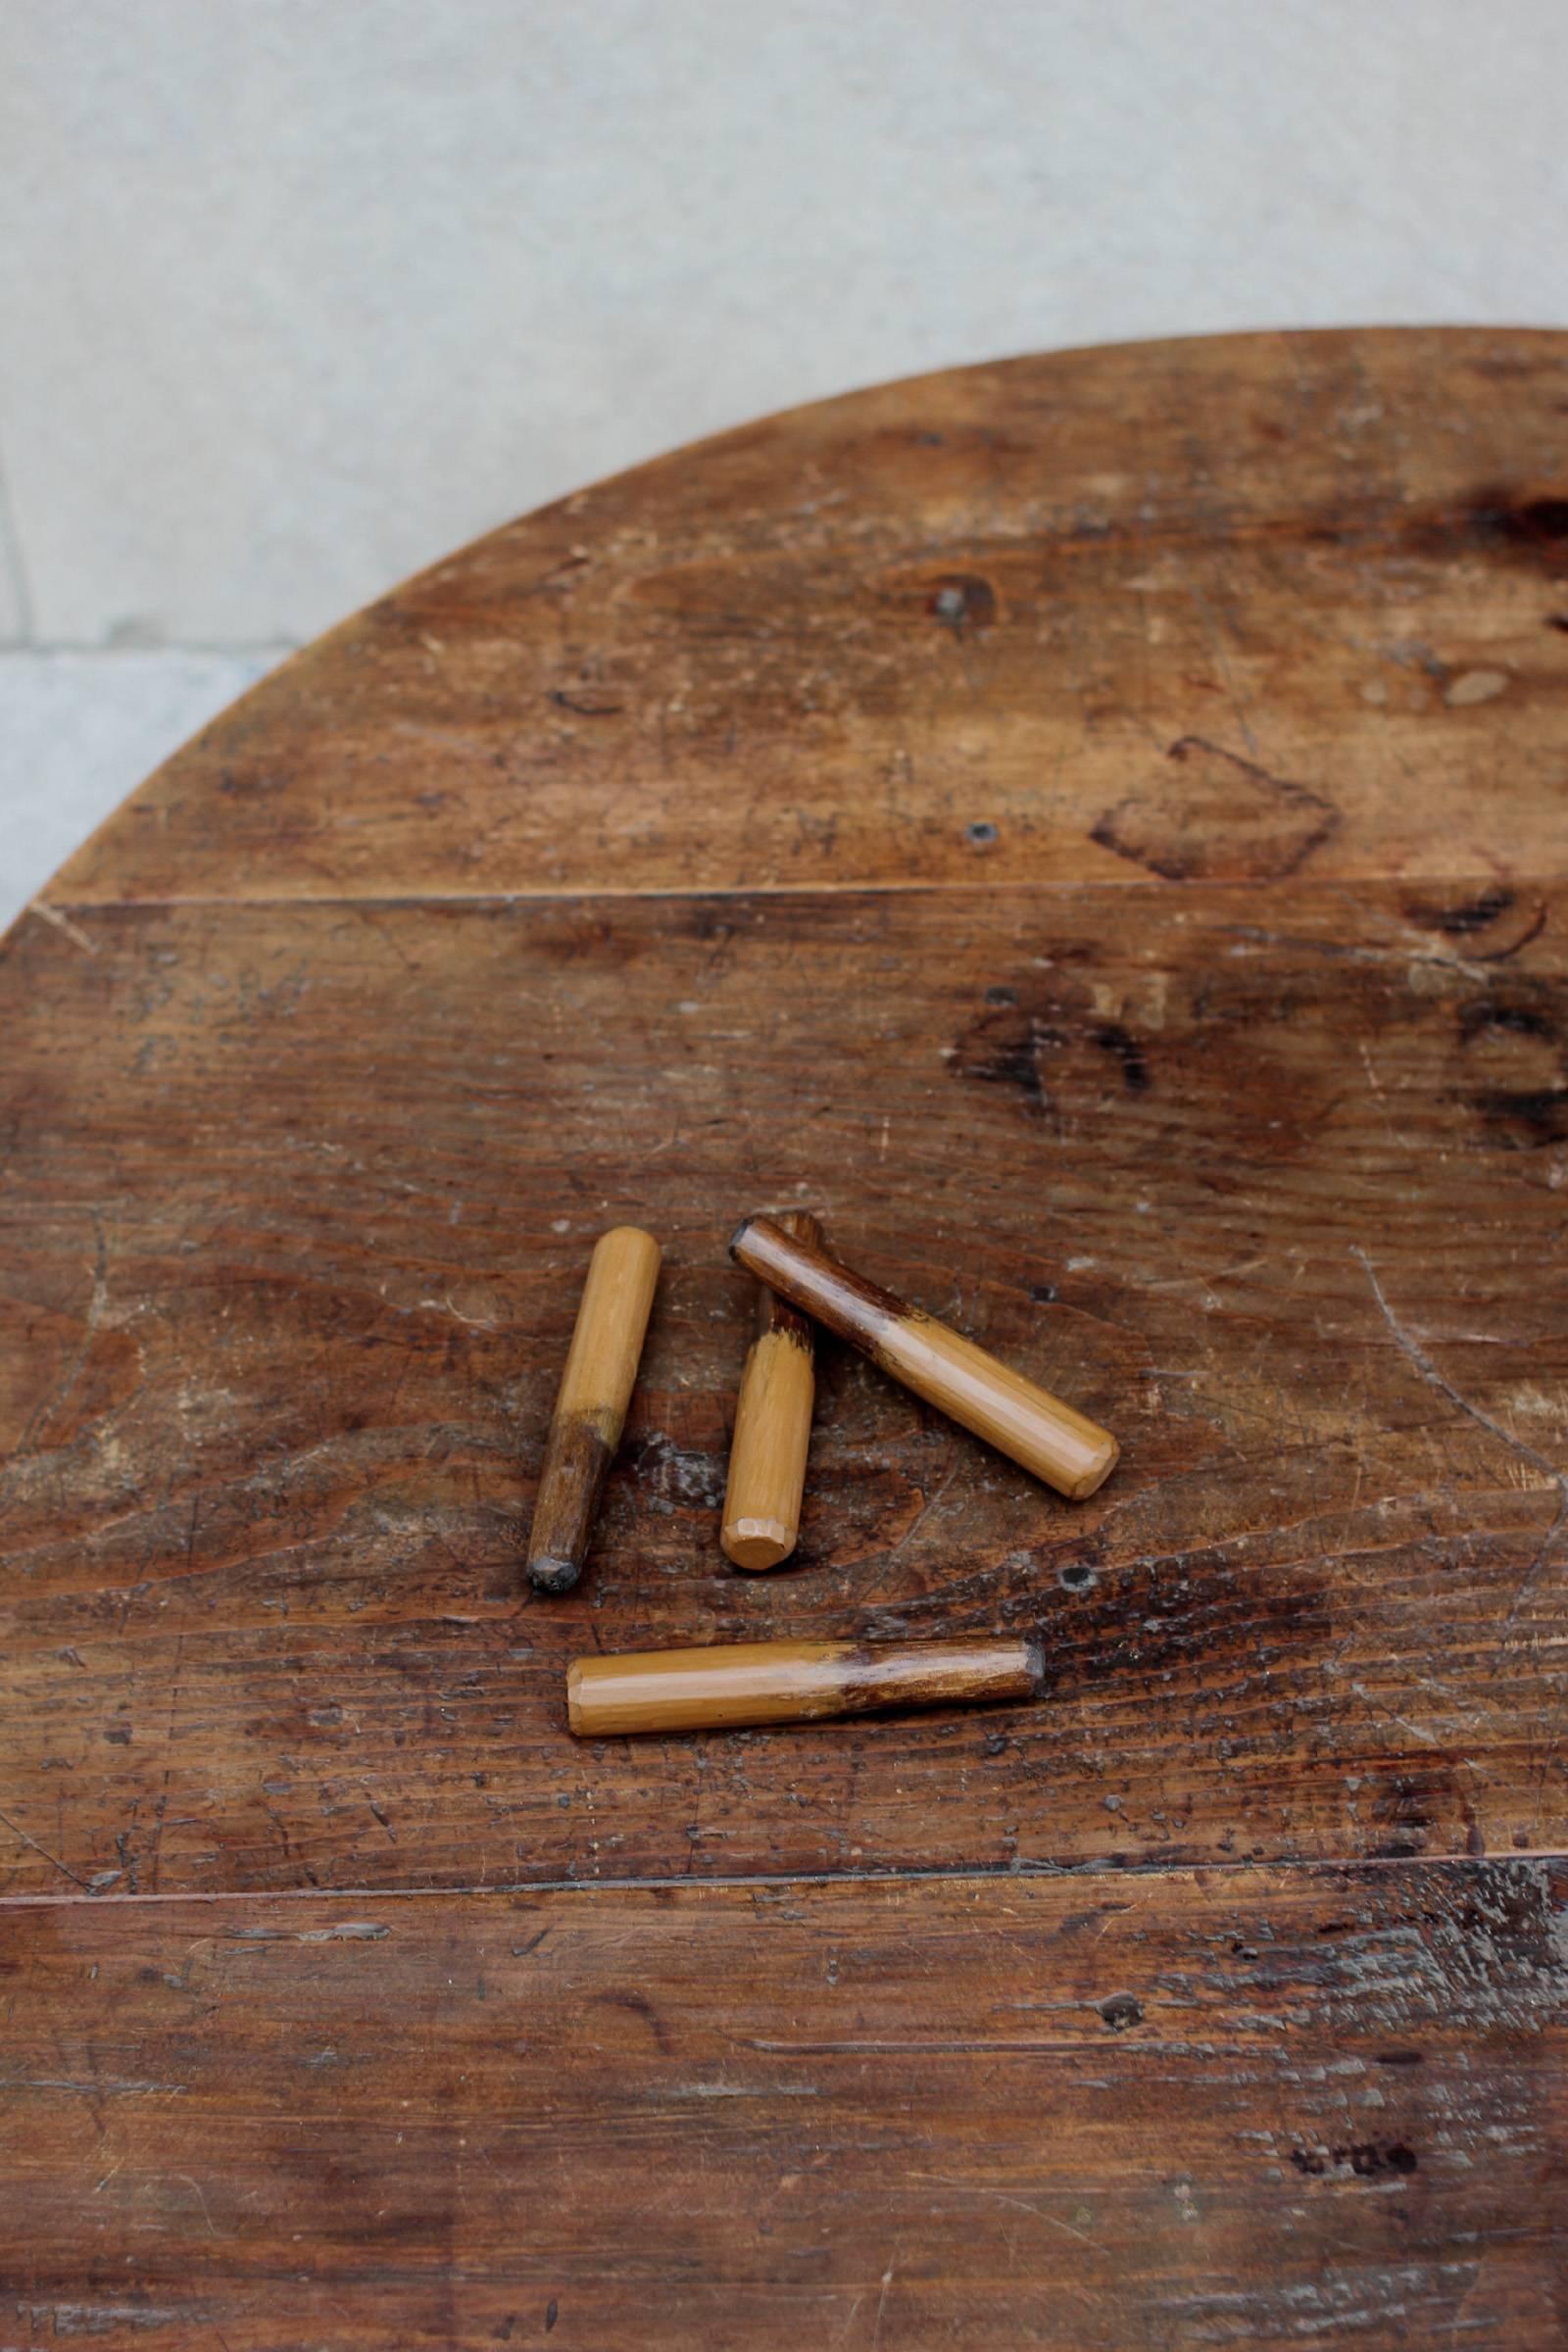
[[772, 1426], [590, 1413], [746, 1684], [1058, 1444]]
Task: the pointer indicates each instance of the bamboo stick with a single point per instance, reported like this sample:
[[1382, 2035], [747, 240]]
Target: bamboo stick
[[772, 1426], [1049, 1438], [730, 1687], [591, 1405]]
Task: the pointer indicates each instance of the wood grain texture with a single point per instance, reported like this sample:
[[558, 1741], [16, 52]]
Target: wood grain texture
[[1247, 2109], [1272, 1180], [1095, 830], [1222, 609]]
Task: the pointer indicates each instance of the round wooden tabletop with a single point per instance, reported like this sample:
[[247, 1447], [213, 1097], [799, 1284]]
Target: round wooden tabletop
[[1092, 829]]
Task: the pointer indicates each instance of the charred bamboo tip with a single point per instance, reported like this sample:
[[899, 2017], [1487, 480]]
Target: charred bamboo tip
[[552, 1572], [740, 1233]]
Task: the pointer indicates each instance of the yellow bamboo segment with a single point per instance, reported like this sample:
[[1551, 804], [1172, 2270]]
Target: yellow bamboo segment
[[772, 1427], [1049, 1436], [740, 1685], [596, 1387]]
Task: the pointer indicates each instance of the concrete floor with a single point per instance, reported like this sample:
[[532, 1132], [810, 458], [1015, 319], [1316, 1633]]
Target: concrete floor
[[78, 729]]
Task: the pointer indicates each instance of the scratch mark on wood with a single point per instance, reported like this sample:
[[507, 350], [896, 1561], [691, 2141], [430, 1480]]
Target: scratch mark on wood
[[1418, 1357]]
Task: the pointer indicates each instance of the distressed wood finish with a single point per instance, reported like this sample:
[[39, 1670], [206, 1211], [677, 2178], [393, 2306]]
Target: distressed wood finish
[[1272, 1182], [772, 1437], [1249, 2109], [607, 1345], [1042, 1434], [737, 1685], [1095, 832], [1218, 610]]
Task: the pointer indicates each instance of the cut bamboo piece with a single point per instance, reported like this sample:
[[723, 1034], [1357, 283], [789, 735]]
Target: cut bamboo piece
[[732, 1686], [591, 1406], [1070, 1452], [772, 1425]]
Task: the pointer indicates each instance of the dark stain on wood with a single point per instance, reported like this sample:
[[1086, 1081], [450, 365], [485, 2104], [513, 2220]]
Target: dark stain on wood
[[1366, 2159], [1518, 1039], [1491, 1015], [1469, 916], [963, 602], [1533, 527], [1523, 1118], [1113, 1038], [1223, 819]]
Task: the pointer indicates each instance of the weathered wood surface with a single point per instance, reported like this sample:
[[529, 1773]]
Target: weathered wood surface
[[1095, 832], [1225, 608], [1253, 2109], [297, 1208]]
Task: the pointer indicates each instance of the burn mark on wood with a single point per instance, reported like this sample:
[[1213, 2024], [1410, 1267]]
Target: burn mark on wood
[[1006, 1054], [1489, 1013], [1149, 1635], [1032, 1041], [1468, 917], [1525, 1033], [1113, 1038], [1219, 817], [1498, 521], [1510, 523], [1524, 1118]]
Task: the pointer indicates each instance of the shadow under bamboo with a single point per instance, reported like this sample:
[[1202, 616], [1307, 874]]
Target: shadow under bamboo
[[1049, 1438]]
